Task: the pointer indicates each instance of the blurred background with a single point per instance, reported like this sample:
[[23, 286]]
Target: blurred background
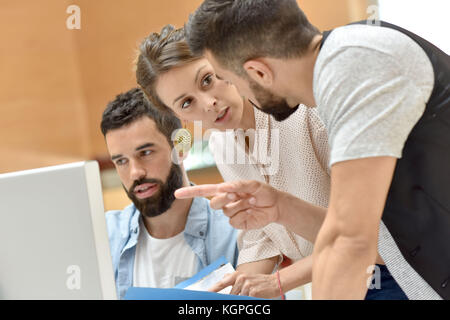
[[55, 82]]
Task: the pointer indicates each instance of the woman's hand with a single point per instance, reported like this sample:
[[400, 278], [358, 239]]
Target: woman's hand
[[252, 285]]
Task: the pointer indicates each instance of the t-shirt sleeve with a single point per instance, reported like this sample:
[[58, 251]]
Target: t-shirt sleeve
[[369, 103]]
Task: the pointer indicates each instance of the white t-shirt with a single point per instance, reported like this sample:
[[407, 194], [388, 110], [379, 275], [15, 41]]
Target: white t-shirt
[[371, 85], [162, 263]]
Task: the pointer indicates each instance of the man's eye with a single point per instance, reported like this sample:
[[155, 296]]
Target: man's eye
[[121, 162], [186, 103], [146, 152]]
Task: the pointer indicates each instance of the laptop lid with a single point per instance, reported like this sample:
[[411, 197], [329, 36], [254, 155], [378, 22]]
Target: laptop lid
[[53, 237]]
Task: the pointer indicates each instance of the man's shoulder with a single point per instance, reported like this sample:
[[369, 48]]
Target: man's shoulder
[[360, 42], [118, 219], [120, 214], [362, 35]]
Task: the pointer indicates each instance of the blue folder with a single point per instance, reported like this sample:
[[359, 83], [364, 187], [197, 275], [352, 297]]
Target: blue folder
[[135, 293], [178, 293], [203, 273]]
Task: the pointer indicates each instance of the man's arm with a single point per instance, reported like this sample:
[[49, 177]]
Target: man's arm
[[347, 242], [301, 217], [253, 205]]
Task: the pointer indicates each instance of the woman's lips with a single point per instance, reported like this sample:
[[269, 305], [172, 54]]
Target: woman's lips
[[225, 116], [145, 190]]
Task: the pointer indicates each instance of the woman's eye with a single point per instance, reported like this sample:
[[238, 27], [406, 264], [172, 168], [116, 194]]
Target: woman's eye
[[207, 81], [186, 103]]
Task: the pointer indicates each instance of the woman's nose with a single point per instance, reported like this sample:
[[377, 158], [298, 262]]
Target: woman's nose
[[211, 104]]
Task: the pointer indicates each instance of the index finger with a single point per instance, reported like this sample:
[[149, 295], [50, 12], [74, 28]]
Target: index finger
[[228, 280], [205, 190], [240, 186]]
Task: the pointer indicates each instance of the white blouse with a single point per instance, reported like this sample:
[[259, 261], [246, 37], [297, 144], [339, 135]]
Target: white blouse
[[292, 156]]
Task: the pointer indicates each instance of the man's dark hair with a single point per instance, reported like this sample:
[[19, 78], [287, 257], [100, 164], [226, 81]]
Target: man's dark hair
[[131, 106], [236, 31]]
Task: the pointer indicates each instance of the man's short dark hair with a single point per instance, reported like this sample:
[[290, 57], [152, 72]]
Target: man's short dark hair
[[236, 31], [131, 106]]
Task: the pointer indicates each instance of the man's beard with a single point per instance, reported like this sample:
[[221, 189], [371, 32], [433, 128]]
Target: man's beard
[[162, 200], [270, 103]]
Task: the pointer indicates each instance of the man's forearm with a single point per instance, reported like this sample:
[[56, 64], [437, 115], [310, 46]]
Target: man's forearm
[[301, 217], [340, 266], [347, 242]]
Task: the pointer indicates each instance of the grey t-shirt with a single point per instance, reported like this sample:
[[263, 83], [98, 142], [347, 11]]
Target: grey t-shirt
[[371, 85]]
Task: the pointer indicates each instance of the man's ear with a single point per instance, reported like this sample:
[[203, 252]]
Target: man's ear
[[260, 71]]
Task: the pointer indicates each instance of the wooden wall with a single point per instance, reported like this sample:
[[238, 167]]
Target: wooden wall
[[55, 82], [42, 106]]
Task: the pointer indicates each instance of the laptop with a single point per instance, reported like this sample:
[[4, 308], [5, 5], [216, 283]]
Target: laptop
[[53, 237]]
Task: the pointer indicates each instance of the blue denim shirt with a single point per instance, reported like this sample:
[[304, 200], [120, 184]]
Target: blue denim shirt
[[207, 232]]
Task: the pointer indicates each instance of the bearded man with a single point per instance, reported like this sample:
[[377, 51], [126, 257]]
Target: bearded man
[[158, 240]]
